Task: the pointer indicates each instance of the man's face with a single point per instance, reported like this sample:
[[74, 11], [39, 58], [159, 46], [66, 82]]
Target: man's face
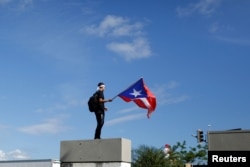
[[102, 88]]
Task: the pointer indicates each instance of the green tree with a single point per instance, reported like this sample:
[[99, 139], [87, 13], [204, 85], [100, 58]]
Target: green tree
[[146, 156], [181, 155]]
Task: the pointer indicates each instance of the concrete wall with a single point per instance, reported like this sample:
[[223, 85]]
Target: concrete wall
[[30, 163], [96, 153], [237, 140]]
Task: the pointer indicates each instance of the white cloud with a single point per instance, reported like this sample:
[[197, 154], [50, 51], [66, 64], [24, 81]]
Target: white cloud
[[19, 4], [49, 126], [172, 85], [3, 155], [128, 110], [114, 28], [137, 49], [15, 154], [170, 99], [204, 7], [216, 27], [3, 2], [237, 41], [125, 119], [2, 127], [25, 4]]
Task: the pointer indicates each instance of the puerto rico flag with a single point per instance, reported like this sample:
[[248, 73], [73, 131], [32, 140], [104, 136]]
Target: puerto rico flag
[[140, 95]]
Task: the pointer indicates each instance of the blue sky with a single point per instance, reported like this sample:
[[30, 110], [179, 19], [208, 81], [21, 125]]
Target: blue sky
[[192, 54]]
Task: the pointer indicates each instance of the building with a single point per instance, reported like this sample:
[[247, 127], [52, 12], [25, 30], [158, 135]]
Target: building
[[30, 163]]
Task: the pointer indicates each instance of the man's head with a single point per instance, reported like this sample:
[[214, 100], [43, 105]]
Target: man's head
[[167, 145], [101, 86]]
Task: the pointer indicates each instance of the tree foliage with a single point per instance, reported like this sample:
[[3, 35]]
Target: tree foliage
[[146, 156], [181, 155]]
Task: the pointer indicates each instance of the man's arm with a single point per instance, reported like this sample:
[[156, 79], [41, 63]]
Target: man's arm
[[101, 100]]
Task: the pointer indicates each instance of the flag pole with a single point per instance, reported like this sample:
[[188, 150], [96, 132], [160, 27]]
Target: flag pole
[[126, 88]]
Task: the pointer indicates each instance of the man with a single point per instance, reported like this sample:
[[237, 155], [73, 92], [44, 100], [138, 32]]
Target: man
[[167, 150], [100, 111]]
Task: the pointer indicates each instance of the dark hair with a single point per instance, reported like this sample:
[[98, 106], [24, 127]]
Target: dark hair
[[100, 83]]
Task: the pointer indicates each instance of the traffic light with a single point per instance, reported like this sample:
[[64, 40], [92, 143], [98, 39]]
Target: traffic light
[[200, 136]]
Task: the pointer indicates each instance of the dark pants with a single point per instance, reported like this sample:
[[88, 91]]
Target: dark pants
[[100, 121]]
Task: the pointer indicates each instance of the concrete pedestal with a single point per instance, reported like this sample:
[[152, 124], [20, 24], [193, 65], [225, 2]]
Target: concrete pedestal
[[96, 153]]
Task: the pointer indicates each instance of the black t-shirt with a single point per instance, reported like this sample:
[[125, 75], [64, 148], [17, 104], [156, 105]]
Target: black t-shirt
[[100, 95]]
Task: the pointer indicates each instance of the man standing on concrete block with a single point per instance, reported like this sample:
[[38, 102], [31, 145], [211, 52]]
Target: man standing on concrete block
[[100, 110]]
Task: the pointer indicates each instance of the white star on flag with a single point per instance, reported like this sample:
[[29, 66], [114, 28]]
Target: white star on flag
[[136, 93]]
